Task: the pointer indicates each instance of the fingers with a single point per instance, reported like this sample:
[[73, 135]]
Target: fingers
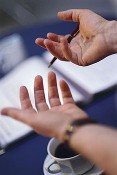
[[54, 48], [59, 47], [40, 101], [40, 42], [65, 48], [53, 90], [52, 44], [25, 99], [66, 93], [23, 116], [60, 50], [67, 51], [71, 15], [54, 37], [50, 36]]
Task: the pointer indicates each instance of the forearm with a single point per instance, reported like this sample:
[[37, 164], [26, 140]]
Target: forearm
[[98, 144]]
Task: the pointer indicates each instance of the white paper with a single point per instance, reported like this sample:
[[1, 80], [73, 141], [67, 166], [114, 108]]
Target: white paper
[[10, 129], [12, 52]]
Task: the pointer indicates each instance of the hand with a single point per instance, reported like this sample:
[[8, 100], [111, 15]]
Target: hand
[[89, 46], [49, 122]]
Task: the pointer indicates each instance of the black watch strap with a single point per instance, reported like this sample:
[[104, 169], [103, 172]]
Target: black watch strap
[[75, 124]]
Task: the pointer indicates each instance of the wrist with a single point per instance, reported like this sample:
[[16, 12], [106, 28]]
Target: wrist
[[111, 36], [71, 128], [74, 126], [61, 131]]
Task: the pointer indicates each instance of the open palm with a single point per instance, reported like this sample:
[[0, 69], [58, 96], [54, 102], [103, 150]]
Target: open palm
[[44, 119], [87, 47]]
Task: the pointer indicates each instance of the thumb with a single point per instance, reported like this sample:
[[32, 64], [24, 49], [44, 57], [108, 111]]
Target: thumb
[[71, 15], [23, 116]]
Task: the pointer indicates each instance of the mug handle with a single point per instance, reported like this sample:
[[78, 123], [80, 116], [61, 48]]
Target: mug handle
[[56, 170]]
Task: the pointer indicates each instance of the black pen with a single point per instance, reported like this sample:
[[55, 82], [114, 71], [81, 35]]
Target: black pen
[[71, 36]]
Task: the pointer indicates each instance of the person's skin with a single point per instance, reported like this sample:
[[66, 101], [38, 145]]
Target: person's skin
[[96, 39], [66, 112], [96, 142]]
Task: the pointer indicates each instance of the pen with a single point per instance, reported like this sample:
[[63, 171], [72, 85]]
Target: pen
[[72, 35]]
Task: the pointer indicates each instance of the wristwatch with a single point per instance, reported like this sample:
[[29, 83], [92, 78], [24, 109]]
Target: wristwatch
[[74, 125]]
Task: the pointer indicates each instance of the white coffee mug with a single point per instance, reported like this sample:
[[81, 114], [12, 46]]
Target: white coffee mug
[[75, 165]]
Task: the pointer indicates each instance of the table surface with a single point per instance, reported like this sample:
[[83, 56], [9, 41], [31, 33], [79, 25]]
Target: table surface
[[26, 157]]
